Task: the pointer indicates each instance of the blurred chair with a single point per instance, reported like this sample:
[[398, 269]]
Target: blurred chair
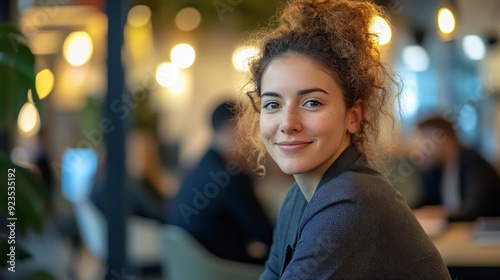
[[184, 258]]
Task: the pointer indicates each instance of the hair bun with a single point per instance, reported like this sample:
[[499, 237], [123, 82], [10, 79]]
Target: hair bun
[[341, 20]]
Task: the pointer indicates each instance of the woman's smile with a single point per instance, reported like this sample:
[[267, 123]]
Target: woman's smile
[[293, 146]]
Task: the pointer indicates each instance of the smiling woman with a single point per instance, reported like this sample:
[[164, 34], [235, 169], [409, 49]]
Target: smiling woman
[[321, 90], [304, 122]]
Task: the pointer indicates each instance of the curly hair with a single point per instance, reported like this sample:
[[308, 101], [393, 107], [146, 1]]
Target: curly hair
[[336, 35]]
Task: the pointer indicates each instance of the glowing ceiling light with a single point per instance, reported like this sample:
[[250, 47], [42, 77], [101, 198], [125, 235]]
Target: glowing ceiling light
[[180, 86], [167, 74], [446, 21], [416, 58], [381, 28], [28, 121], [44, 83], [188, 19], [474, 47], [183, 55], [78, 48], [242, 56], [139, 15]]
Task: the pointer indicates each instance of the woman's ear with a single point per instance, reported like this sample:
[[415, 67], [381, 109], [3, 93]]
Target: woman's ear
[[355, 116]]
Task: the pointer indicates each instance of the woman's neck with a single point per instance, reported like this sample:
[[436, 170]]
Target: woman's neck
[[307, 184]]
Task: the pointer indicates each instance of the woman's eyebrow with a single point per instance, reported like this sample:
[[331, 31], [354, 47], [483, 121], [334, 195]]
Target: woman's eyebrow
[[300, 92], [309, 90], [270, 93]]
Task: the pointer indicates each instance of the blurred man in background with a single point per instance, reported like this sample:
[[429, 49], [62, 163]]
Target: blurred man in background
[[458, 179], [216, 202]]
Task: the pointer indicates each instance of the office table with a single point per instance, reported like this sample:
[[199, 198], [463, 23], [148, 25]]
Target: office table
[[458, 249]]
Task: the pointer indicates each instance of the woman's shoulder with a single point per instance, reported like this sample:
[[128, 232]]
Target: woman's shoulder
[[361, 188], [357, 176]]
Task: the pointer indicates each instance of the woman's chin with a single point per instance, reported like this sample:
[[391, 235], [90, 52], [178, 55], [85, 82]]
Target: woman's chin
[[290, 170]]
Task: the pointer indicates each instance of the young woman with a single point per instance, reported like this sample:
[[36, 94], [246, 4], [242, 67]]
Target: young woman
[[320, 92]]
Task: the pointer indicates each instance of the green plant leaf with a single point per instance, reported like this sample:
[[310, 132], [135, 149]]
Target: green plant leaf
[[17, 69]]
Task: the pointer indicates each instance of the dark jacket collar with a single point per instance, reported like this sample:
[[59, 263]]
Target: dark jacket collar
[[341, 164]]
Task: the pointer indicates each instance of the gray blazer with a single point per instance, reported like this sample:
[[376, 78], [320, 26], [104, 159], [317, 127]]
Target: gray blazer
[[356, 226]]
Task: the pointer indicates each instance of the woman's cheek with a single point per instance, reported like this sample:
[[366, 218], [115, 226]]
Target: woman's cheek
[[267, 128]]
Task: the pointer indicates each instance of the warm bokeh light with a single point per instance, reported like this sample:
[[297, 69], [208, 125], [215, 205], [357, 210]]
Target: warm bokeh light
[[138, 45], [381, 27], [188, 19], [180, 86], [183, 55], [167, 74], [72, 86], [446, 21], [139, 15], [416, 58], [28, 121], [241, 57], [474, 47], [44, 83], [78, 48]]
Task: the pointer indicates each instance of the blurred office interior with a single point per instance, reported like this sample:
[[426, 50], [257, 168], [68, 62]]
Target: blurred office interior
[[103, 69]]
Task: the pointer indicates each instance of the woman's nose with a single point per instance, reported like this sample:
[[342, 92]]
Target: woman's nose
[[290, 122]]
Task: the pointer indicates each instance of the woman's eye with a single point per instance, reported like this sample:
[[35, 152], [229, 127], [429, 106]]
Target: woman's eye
[[271, 105], [312, 103]]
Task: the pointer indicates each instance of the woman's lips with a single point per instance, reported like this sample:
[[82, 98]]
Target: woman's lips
[[292, 146]]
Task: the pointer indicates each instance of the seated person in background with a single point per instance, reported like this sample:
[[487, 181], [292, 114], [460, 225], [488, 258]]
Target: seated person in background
[[454, 177], [216, 202], [151, 186]]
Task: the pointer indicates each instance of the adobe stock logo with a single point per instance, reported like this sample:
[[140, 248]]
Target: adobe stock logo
[[201, 197]]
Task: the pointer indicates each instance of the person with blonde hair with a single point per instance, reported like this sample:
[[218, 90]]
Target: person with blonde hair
[[321, 91]]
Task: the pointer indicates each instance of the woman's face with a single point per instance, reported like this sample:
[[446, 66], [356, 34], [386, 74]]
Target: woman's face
[[304, 121]]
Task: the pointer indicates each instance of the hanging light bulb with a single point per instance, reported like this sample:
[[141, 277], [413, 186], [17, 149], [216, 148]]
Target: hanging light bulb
[[474, 47], [44, 83], [28, 121], [415, 57], [167, 74], [381, 28], [78, 48], [188, 19], [446, 22], [183, 55], [139, 15], [242, 56]]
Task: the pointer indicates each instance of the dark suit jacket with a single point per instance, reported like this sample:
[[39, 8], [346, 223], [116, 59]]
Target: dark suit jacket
[[217, 205], [356, 226], [479, 187]]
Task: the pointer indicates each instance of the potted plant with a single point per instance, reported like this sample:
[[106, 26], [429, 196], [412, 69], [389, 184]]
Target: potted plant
[[23, 196]]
